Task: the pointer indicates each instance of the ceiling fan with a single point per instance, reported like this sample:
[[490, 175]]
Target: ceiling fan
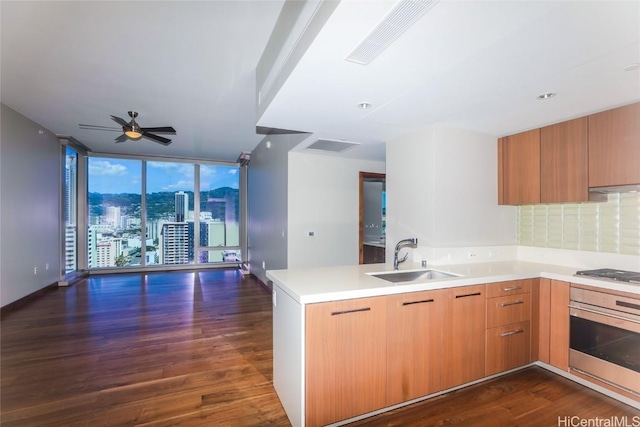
[[132, 130]]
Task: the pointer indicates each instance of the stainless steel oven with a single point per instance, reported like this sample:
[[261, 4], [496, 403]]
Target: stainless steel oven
[[605, 338]]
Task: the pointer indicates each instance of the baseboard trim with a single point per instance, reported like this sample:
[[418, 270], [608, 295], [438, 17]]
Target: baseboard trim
[[19, 303], [593, 386]]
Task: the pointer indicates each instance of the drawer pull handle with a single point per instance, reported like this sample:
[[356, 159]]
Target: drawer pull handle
[[508, 334], [513, 288], [336, 313], [628, 305], [475, 294], [507, 304], [417, 302]]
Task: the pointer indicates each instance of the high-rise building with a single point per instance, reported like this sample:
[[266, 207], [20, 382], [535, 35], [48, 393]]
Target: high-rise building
[[70, 248], [107, 251], [182, 206], [71, 190], [92, 238], [174, 241], [113, 216]]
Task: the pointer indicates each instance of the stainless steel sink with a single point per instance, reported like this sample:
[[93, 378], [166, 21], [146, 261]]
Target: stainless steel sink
[[410, 276]]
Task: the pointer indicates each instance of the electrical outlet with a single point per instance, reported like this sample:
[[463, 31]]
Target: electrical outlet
[[273, 297], [472, 255], [264, 265], [46, 266], [35, 270]]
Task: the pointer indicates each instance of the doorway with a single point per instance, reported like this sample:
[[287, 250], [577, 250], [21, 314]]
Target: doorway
[[372, 217]]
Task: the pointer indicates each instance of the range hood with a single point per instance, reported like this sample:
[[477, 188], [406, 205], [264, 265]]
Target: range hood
[[631, 188]]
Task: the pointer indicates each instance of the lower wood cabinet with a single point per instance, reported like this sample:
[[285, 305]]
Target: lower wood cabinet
[[463, 341], [414, 338], [508, 347], [370, 353], [346, 359], [508, 335], [559, 324], [551, 339]]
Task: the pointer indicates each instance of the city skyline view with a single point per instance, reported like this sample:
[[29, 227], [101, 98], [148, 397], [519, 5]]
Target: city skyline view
[[120, 233]]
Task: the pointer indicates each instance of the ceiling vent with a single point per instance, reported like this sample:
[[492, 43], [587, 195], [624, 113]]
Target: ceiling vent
[[331, 145], [398, 20]]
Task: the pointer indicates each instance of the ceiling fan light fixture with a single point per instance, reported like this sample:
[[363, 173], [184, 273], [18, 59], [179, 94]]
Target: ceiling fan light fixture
[[133, 134]]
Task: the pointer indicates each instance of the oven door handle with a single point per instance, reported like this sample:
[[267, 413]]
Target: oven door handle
[[626, 319]]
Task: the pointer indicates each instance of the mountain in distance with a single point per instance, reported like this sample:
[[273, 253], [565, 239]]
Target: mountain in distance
[[160, 205]]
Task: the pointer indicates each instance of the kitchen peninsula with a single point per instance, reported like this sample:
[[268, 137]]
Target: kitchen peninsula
[[346, 343]]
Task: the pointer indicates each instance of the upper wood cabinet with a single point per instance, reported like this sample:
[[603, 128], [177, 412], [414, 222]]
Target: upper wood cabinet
[[519, 168], [614, 147], [559, 163], [564, 162]]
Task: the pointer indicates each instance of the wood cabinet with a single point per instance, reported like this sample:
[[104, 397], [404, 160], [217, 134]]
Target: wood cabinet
[[414, 338], [553, 323], [559, 324], [463, 342], [559, 163], [540, 322], [366, 354], [614, 147], [564, 162], [508, 347], [508, 334], [346, 359], [519, 168]]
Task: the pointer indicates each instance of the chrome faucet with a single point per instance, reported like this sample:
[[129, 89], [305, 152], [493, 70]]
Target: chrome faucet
[[406, 243]]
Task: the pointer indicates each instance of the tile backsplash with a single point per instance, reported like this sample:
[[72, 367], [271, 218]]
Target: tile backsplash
[[612, 226]]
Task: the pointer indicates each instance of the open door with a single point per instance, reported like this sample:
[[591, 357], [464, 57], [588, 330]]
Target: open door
[[372, 217]]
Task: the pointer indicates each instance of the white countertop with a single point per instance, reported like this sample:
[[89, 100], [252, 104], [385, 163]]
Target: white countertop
[[312, 285]]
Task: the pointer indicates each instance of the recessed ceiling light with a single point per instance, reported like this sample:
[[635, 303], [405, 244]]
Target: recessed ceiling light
[[632, 67], [364, 105], [546, 95]]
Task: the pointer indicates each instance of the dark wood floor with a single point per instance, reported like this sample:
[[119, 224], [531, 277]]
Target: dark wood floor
[[194, 349]]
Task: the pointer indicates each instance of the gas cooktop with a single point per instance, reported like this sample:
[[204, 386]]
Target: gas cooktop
[[612, 274]]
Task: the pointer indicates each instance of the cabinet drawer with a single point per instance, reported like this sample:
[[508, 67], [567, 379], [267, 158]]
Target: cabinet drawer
[[507, 310], [511, 287], [507, 347]]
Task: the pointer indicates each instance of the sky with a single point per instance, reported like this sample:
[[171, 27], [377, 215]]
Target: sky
[[125, 176]]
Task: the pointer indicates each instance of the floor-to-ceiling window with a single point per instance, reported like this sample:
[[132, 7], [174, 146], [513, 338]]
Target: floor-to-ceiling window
[[219, 214], [114, 234], [188, 213], [170, 213], [70, 209]]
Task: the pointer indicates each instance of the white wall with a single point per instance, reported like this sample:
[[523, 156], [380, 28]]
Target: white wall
[[442, 189], [324, 198], [267, 203], [30, 184]]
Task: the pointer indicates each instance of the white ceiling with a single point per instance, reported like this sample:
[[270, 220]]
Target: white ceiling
[[190, 65], [477, 65]]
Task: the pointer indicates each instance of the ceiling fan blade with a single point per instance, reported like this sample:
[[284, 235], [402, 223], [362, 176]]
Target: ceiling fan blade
[[162, 129], [95, 127], [118, 120], [159, 139], [122, 138]]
